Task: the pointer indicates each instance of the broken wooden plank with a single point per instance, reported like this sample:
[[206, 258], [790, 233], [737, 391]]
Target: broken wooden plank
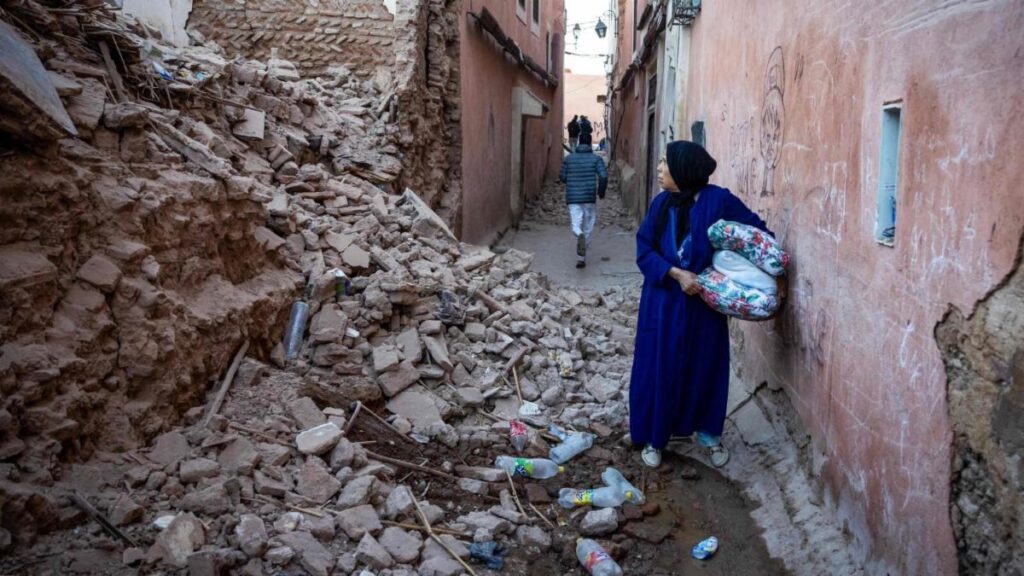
[[93, 513], [225, 385], [193, 150], [115, 76]]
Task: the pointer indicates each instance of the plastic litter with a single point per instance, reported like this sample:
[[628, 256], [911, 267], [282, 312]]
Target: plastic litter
[[572, 445], [341, 284], [613, 477], [162, 71], [162, 522], [529, 409], [519, 435], [539, 468], [705, 548], [296, 328], [595, 559], [488, 553], [604, 497]]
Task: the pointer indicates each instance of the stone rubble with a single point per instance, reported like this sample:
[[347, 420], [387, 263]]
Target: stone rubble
[[440, 337]]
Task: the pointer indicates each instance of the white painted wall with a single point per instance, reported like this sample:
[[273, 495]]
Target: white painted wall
[[167, 16]]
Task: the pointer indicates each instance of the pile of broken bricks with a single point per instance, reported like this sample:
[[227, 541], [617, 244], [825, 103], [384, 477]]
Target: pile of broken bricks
[[447, 341]]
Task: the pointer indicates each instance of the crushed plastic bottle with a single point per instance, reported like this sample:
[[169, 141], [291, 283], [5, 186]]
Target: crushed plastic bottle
[[705, 548], [558, 432], [594, 558], [341, 284], [539, 468], [162, 72], [519, 435], [614, 478], [604, 497], [296, 328], [489, 553], [572, 446]]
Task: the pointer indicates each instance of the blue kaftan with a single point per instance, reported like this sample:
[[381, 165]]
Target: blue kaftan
[[680, 379]]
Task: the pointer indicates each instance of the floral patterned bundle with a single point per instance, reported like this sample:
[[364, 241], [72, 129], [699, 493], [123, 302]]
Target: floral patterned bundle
[[733, 299], [753, 244]]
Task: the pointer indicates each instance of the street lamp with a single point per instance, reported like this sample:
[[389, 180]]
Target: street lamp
[[576, 31], [601, 28], [685, 11]]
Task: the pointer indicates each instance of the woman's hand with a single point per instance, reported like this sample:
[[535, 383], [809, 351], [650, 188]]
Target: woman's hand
[[687, 280]]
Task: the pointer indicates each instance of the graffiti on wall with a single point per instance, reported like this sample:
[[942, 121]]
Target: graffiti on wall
[[773, 119], [741, 163]]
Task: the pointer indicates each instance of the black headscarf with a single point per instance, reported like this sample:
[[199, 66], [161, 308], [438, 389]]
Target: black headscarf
[[690, 166]]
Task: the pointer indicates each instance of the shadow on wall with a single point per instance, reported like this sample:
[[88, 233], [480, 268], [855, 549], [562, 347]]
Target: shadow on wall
[[984, 358]]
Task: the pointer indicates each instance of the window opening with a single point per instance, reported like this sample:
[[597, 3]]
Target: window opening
[[697, 133], [889, 174]]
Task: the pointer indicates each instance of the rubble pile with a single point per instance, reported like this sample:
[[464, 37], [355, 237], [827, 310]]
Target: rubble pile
[[550, 207], [140, 190], [192, 199]]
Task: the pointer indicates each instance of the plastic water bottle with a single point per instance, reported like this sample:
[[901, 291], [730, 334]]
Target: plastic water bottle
[[615, 479], [574, 445], [558, 432], [296, 328], [519, 435], [594, 558], [341, 284], [604, 497], [539, 468]]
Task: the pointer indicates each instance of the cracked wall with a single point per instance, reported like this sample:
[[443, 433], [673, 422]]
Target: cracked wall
[[984, 357]]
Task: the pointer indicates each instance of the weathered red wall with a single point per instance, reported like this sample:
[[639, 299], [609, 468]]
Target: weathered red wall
[[855, 348], [628, 110], [488, 79]]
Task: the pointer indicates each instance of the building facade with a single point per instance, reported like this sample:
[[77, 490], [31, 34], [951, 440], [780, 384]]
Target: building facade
[[512, 86], [878, 141]]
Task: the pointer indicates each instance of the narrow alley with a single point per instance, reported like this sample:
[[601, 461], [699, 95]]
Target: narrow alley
[[307, 287]]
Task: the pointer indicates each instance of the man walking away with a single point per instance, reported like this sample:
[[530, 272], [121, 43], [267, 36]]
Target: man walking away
[[586, 128], [586, 179], [574, 133]]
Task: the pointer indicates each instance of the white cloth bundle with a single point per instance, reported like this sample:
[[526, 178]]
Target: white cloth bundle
[[743, 272]]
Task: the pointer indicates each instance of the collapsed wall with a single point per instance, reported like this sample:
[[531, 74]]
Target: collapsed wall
[[410, 51], [143, 228], [984, 359]]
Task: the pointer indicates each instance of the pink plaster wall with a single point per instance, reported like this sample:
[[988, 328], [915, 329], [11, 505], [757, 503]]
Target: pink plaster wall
[[581, 92], [628, 108], [855, 348], [488, 79]]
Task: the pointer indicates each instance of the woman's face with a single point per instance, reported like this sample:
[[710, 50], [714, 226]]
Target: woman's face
[[665, 180]]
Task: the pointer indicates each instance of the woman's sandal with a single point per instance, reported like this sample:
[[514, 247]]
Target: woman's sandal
[[651, 456], [719, 455]]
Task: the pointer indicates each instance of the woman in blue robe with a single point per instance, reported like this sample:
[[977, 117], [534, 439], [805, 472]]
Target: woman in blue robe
[[680, 379]]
